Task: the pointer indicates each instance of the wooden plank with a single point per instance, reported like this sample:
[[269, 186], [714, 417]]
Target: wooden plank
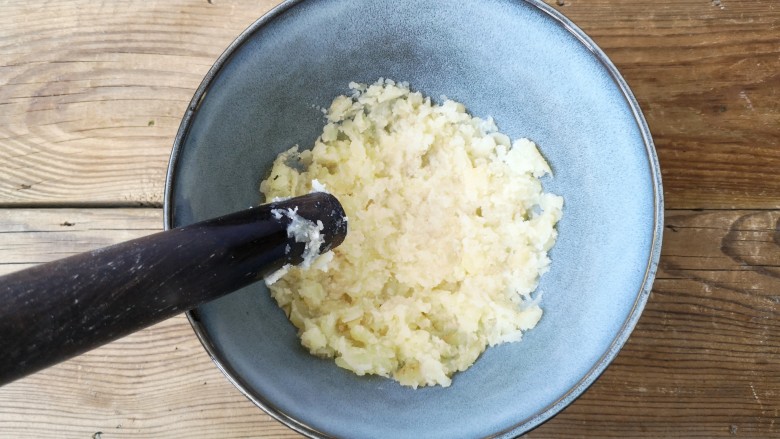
[[702, 362], [33, 236], [707, 76], [92, 92], [158, 383]]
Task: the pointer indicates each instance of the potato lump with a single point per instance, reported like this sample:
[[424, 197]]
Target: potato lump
[[449, 230]]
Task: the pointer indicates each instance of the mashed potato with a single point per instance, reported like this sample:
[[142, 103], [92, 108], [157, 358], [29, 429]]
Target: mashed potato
[[448, 234]]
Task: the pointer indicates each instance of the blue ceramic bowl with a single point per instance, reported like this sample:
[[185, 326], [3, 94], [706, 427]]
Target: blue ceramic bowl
[[540, 77]]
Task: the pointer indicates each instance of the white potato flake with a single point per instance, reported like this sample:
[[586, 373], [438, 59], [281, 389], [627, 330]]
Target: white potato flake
[[449, 233]]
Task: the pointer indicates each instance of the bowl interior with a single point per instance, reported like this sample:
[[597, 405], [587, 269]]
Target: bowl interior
[[512, 60]]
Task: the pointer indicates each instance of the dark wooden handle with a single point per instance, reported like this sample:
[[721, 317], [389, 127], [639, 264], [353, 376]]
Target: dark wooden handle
[[57, 310]]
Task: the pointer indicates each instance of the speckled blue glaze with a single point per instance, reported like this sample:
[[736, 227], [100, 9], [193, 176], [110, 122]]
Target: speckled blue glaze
[[539, 77]]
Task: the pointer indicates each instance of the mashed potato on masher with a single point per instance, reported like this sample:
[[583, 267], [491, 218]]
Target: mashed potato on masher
[[449, 230]]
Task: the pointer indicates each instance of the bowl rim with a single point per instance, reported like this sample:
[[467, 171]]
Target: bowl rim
[[599, 366]]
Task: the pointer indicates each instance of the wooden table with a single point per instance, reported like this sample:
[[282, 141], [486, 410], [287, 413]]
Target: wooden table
[[91, 95]]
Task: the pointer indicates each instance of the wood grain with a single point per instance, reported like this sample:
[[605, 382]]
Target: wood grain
[[92, 92], [707, 76], [157, 383], [704, 360], [32, 236]]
